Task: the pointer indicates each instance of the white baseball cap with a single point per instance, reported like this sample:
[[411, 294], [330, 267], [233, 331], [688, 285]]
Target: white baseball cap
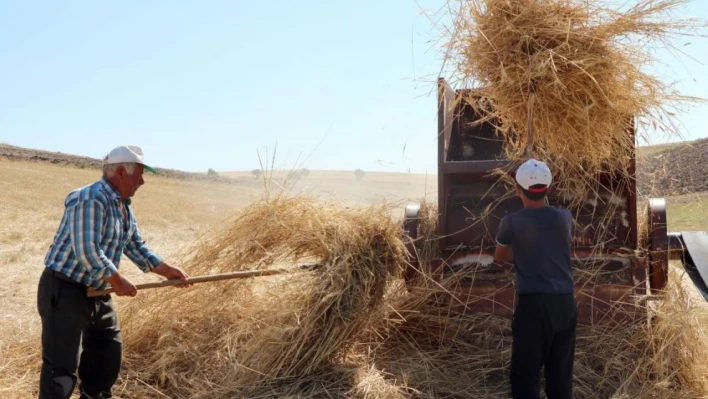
[[534, 172], [127, 154]]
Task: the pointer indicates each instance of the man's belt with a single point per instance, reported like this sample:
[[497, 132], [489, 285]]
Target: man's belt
[[64, 277]]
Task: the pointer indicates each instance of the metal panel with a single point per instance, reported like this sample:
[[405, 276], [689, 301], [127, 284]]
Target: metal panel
[[696, 258], [446, 119], [475, 206], [475, 139], [601, 304], [658, 244], [474, 266], [480, 168], [632, 194]]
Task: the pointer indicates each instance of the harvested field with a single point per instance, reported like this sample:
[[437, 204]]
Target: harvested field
[[673, 171]]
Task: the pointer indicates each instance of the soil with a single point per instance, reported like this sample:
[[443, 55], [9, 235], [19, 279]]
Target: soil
[[677, 170]]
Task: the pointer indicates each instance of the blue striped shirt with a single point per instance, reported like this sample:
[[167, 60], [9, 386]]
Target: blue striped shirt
[[93, 234]]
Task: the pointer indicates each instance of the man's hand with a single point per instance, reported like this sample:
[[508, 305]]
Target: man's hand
[[122, 286], [171, 272]]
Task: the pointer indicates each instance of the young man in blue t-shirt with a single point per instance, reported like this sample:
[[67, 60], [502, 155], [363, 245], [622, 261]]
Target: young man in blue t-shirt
[[538, 240]]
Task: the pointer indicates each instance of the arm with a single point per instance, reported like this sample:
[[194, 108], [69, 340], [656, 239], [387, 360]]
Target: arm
[[503, 252], [137, 251], [148, 261]]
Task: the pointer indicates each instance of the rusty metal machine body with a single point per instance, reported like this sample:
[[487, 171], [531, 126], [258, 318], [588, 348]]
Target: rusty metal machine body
[[472, 202]]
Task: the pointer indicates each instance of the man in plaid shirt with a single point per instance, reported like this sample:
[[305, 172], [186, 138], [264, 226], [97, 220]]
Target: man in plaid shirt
[[81, 332]]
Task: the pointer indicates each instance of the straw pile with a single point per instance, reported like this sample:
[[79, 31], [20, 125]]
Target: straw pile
[[248, 338], [584, 61]]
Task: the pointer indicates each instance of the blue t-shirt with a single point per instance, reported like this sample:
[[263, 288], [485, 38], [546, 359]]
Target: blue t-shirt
[[540, 239]]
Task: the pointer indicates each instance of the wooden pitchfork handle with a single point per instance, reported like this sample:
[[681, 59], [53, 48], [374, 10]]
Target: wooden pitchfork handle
[[203, 279]]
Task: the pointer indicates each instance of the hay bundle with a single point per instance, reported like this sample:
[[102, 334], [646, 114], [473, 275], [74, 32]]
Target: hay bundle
[[242, 338], [584, 63]]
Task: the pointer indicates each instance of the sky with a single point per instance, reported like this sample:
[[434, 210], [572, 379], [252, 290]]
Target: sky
[[335, 85]]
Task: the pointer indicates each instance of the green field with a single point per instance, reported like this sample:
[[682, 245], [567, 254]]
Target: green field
[[688, 212]]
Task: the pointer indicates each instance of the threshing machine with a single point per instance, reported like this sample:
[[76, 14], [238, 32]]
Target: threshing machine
[[628, 266]]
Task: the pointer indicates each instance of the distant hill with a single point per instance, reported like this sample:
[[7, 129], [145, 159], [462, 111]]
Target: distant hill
[[645, 151], [673, 169], [20, 153], [662, 170]]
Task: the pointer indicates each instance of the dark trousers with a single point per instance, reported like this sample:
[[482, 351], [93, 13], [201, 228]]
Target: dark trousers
[[543, 330], [78, 333]]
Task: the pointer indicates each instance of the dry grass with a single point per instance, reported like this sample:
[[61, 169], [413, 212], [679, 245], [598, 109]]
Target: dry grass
[[585, 62]]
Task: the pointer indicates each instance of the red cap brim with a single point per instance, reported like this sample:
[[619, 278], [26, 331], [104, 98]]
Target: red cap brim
[[537, 189]]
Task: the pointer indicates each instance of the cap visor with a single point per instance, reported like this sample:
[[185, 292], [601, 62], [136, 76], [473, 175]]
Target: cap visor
[[150, 169]]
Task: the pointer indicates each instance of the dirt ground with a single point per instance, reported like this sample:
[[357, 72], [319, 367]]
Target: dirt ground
[[674, 170]]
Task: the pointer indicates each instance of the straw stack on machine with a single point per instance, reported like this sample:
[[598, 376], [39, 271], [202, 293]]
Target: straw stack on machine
[[576, 69]]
